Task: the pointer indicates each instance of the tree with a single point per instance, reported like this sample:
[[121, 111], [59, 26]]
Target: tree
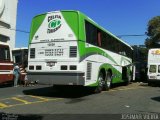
[[153, 33]]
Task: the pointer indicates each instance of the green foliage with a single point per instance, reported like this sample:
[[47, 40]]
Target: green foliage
[[140, 53], [153, 32]]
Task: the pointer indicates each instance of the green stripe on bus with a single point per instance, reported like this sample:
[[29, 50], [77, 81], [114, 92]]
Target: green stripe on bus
[[95, 50], [36, 23], [69, 17]]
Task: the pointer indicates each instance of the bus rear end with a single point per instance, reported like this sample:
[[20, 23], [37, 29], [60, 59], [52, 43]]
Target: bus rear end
[[153, 66], [53, 49], [6, 65]]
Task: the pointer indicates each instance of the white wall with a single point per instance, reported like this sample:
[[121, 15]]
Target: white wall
[[8, 15]]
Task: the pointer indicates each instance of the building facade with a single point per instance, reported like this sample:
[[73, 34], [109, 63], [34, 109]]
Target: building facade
[[8, 15]]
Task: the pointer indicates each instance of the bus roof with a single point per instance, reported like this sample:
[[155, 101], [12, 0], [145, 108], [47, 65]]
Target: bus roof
[[89, 19], [22, 48]]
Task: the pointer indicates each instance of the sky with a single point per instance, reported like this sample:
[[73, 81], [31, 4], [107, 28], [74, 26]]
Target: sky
[[120, 17]]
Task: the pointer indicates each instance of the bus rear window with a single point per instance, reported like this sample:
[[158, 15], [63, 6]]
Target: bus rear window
[[4, 54], [152, 68]]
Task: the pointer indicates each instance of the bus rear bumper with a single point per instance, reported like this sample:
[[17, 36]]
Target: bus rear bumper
[[57, 78]]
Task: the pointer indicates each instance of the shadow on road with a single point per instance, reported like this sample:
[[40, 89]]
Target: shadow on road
[[156, 99], [64, 91], [6, 85], [60, 92]]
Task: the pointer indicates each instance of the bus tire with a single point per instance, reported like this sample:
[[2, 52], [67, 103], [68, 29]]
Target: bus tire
[[108, 82], [99, 87]]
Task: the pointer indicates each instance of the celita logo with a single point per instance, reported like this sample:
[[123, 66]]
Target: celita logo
[[54, 23]]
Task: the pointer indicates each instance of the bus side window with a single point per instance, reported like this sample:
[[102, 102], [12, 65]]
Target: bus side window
[[99, 39], [91, 33], [158, 68], [5, 55]]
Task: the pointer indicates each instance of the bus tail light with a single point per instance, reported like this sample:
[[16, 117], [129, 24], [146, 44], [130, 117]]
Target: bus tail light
[[38, 67], [73, 67], [31, 67], [73, 51], [64, 67]]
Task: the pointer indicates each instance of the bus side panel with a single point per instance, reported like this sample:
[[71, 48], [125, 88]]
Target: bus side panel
[[97, 59], [6, 72], [6, 66], [91, 72], [6, 78]]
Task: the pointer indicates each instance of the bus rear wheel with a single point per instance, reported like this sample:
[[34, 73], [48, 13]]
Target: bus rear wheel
[[108, 82], [100, 85]]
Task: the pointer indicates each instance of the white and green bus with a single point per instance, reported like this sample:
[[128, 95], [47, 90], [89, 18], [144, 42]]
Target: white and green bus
[[68, 48]]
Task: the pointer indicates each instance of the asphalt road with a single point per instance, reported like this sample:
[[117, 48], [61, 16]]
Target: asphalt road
[[137, 98]]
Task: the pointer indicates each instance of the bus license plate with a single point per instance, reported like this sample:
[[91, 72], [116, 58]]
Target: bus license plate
[[50, 64]]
